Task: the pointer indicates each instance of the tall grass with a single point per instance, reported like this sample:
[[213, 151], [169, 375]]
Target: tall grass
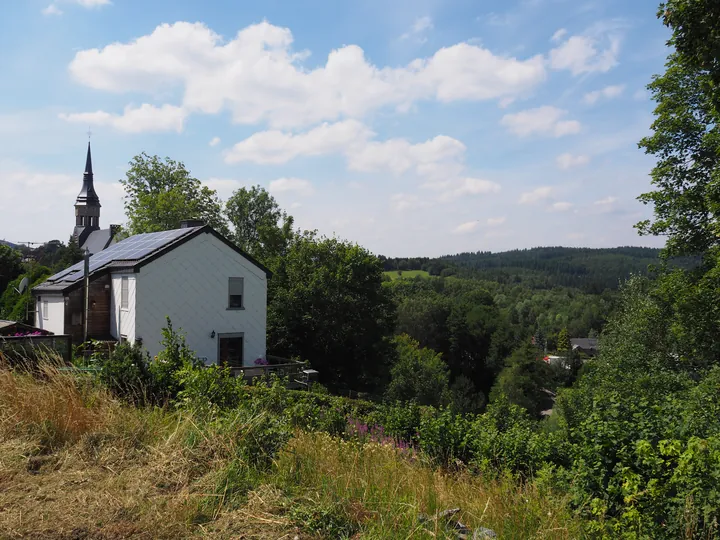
[[73, 460], [384, 489]]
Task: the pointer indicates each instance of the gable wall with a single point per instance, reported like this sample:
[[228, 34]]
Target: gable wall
[[190, 285]]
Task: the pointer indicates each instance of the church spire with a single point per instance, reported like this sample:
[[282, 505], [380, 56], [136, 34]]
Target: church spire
[[87, 194]]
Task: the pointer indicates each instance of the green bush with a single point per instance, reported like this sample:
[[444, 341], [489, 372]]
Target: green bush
[[125, 372]]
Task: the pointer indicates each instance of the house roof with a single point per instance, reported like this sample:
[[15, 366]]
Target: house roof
[[98, 241], [584, 343], [131, 254]]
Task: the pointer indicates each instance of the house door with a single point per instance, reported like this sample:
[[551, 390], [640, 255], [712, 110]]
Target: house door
[[230, 350]]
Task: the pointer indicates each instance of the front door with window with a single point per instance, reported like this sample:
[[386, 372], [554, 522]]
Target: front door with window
[[230, 350]]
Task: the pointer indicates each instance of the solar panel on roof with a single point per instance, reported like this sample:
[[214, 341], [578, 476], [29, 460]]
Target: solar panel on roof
[[133, 248]]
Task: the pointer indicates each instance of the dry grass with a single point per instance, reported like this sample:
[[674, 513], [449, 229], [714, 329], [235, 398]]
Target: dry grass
[[77, 464]]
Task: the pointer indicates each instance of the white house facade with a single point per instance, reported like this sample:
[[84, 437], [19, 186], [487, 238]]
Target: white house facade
[[212, 292]]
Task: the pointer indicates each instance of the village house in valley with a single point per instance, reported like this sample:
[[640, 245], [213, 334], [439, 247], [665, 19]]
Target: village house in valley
[[211, 290]]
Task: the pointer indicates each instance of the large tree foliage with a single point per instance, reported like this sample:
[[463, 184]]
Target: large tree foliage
[[686, 137], [10, 265], [418, 374], [258, 224], [525, 380], [160, 194], [327, 305]]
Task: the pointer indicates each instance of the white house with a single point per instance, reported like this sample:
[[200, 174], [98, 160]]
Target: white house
[[212, 291]]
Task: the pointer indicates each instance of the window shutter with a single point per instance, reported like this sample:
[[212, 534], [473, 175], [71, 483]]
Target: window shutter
[[124, 293]]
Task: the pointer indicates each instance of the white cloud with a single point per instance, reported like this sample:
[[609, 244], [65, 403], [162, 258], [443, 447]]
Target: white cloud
[[294, 185], [405, 201], [609, 92], [52, 9], [146, 118], [567, 161], [281, 147], [399, 156], [295, 205], [596, 51], [561, 206], [536, 195], [90, 3], [214, 141], [258, 77], [465, 228], [606, 201], [454, 189], [557, 36], [419, 27], [494, 222], [544, 120]]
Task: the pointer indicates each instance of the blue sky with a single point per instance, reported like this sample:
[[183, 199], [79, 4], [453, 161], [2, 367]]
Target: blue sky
[[412, 128]]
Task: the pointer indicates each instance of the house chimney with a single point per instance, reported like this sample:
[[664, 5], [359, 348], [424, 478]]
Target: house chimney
[[114, 230], [188, 223]]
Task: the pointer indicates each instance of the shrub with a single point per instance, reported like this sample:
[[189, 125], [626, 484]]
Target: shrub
[[125, 373]]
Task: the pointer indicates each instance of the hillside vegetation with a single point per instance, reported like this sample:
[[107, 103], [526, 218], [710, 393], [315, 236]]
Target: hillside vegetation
[[591, 270], [79, 463]]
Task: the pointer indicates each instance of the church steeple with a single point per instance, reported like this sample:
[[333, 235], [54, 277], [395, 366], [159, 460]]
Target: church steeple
[[87, 194], [87, 205]]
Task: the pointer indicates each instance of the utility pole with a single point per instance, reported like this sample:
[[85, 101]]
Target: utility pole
[[87, 294]]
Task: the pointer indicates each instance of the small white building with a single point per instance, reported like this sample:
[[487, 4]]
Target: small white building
[[212, 291]]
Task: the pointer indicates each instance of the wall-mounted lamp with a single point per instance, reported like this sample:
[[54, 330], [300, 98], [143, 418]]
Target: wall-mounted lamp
[[212, 334]]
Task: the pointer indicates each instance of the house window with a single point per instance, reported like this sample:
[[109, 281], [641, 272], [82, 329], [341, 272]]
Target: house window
[[230, 350], [124, 293], [235, 293], [45, 310]]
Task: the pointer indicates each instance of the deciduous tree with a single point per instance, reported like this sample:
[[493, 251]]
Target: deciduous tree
[[327, 305], [258, 224], [159, 194]]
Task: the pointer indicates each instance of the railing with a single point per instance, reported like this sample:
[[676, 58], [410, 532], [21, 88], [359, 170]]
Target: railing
[[281, 367], [21, 348]]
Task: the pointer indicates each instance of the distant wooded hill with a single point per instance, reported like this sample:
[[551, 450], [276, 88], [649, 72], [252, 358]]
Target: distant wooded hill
[[592, 270], [10, 244]]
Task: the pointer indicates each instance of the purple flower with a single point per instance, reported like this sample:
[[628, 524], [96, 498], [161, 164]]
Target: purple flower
[[261, 362]]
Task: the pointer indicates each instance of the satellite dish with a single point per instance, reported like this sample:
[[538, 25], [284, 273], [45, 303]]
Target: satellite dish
[[23, 285]]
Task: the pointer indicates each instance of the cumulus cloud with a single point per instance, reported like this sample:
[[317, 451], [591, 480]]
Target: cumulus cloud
[[609, 92], [544, 120], [536, 195], [293, 185], [567, 161], [146, 118], [214, 141], [258, 77], [595, 51], [465, 228], [280, 147]]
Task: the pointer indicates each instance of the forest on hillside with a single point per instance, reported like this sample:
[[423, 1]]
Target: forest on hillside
[[592, 270]]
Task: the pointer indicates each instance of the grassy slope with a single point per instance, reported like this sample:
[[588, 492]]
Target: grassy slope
[[407, 274], [74, 463]]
